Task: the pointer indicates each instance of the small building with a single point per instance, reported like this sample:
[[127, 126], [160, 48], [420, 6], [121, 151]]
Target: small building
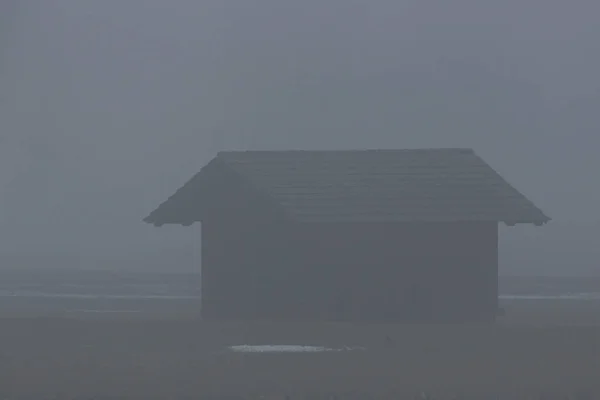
[[366, 235]]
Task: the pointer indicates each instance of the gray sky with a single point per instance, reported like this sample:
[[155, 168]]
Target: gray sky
[[109, 106]]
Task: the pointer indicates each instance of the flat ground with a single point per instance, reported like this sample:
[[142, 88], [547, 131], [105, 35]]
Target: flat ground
[[181, 357], [160, 351]]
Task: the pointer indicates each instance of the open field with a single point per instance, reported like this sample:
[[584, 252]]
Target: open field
[[182, 358], [158, 350]]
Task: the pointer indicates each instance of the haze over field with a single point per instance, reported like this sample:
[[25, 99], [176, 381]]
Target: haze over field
[[107, 107]]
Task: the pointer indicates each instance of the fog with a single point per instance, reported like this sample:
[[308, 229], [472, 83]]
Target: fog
[[107, 107]]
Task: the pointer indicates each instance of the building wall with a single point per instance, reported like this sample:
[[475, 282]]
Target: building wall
[[399, 272], [242, 270], [237, 240], [270, 269]]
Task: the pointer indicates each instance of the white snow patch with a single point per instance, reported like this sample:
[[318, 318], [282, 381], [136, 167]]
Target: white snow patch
[[285, 348]]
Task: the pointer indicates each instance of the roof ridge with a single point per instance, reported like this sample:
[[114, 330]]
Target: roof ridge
[[465, 150]]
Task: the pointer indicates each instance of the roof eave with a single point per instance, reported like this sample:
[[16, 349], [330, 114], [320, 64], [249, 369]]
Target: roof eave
[[158, 222], [536, 222]]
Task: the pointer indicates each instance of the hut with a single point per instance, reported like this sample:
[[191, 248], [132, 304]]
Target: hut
[[365, 235]]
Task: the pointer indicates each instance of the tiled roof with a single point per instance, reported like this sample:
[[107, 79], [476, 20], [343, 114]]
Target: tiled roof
[[383, 185]]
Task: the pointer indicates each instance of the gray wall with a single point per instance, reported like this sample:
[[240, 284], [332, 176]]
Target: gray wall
[[266, 268], [401, 271]]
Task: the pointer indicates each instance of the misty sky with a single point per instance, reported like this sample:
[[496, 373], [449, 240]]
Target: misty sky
[[109, 106]]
